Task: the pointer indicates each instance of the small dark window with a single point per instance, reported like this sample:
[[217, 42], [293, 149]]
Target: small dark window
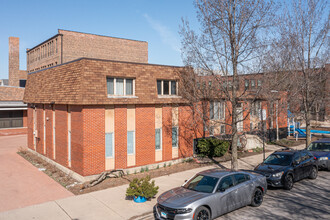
[[259, 83], [173, 87], [166, 87], [246, 83], [159, 87], [253, 83], [22, 83]]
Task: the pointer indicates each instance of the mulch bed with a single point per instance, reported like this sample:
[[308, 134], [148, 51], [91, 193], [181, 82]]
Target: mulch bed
[[78, 188]]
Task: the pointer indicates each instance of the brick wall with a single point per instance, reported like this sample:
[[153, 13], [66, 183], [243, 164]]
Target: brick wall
[[93, 140], [11, 93], [40, 129], [167, 132], [145, 134], [61, 134], [186, 132], [77, 137], [30, 127], [120, 136], [77, 45], [13, 61], [49, 131]]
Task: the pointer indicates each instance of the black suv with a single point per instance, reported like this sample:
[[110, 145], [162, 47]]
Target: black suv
[[283, 168]]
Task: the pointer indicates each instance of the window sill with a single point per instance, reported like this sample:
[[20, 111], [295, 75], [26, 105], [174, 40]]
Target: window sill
[[169, 96], [122, 97], [159, 149]]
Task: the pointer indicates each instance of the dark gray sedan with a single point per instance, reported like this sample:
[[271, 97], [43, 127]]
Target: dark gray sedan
[[211, 193]]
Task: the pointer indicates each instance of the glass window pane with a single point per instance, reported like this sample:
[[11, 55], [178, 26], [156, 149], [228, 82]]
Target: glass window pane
[[110, 86], [221, 110], [119, 86], [158, 139], [174, 137], [129, 86], [246, 83], [253, 84], [130, 142], [166, 87], [108, 144], [259, 83], [173, 87], [159, 87], [216, 110], [211, 110]]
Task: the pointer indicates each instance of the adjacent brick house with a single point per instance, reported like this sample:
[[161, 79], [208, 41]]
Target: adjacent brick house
[[13, 112], [67, 46]]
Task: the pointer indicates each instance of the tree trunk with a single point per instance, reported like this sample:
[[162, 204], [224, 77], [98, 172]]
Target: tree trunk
[[308, 128], [234, 162]]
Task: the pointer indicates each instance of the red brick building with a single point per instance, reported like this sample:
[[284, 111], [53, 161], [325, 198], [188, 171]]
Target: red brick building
[[13, 112]]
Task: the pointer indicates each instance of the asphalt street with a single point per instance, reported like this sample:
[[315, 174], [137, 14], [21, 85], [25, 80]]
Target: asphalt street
[[309, 199]]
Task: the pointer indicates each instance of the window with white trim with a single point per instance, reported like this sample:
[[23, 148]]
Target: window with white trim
[[217, 110], [130, 142], [167, 87], [175, 132], [120, 86], [158, 139], [109, 144]]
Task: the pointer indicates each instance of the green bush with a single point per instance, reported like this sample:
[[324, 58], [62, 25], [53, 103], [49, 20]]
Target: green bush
[[142, 187], [212, 147]]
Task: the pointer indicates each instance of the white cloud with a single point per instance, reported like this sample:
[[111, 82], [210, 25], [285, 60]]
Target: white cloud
[[167, 36]]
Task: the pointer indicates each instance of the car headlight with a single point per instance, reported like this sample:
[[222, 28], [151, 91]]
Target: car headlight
[[323, 158], [183, 211], [278, 175]]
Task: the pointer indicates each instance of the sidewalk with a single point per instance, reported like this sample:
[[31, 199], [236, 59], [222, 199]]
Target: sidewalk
[[110, 203]]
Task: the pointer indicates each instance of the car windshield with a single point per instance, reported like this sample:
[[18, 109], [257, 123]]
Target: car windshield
[[278, 159], [201, 183], [319, 147]]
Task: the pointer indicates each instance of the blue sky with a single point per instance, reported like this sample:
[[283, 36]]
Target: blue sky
[[154, 21]]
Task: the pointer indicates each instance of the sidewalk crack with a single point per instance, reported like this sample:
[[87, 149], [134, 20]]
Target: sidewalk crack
[[65, 211], [106, 205]]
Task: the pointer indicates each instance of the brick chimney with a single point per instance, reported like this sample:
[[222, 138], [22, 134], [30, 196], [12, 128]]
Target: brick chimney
[[13, 61]]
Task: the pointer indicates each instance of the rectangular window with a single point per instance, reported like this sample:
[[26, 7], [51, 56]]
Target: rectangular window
[[216, 110], [222, 129], [110, 86], [119, 86], [173, 87], [109, 144], [130, 142], [211, 110], [159, 87], [246, 84], [253, 83], [158, 138], [174, 136], [259, 83], [166, 87], [129, 86]]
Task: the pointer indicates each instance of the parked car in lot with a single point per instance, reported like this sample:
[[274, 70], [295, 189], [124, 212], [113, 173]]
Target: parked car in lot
[[211, 193], [321, 150], [283, 168]]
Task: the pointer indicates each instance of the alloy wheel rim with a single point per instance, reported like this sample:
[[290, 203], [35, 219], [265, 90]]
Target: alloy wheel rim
[[203, 215], [290, 182], [258, 197]]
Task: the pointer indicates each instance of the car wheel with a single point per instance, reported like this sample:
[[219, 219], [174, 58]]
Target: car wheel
[[202, 213], [288, 182], [313, 174], [257, 198]]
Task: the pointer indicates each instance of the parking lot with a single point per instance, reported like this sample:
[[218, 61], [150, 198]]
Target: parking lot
[[309, 199]]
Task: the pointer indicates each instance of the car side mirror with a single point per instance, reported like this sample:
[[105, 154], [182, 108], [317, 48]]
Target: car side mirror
[[221, 190]]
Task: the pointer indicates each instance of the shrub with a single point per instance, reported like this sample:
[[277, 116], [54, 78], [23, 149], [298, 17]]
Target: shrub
[[142, 187], [212, 147], [141, 170], [147, 169]]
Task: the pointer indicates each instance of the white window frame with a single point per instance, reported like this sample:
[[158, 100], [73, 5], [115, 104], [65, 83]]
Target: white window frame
[[218, 105], [133, 144], [124, 93], [170, 87], [160, 139], [113, 145], [177, 137]]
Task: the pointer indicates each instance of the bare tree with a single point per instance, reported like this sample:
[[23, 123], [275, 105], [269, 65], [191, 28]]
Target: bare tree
[[229, 43], [299, 56]]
